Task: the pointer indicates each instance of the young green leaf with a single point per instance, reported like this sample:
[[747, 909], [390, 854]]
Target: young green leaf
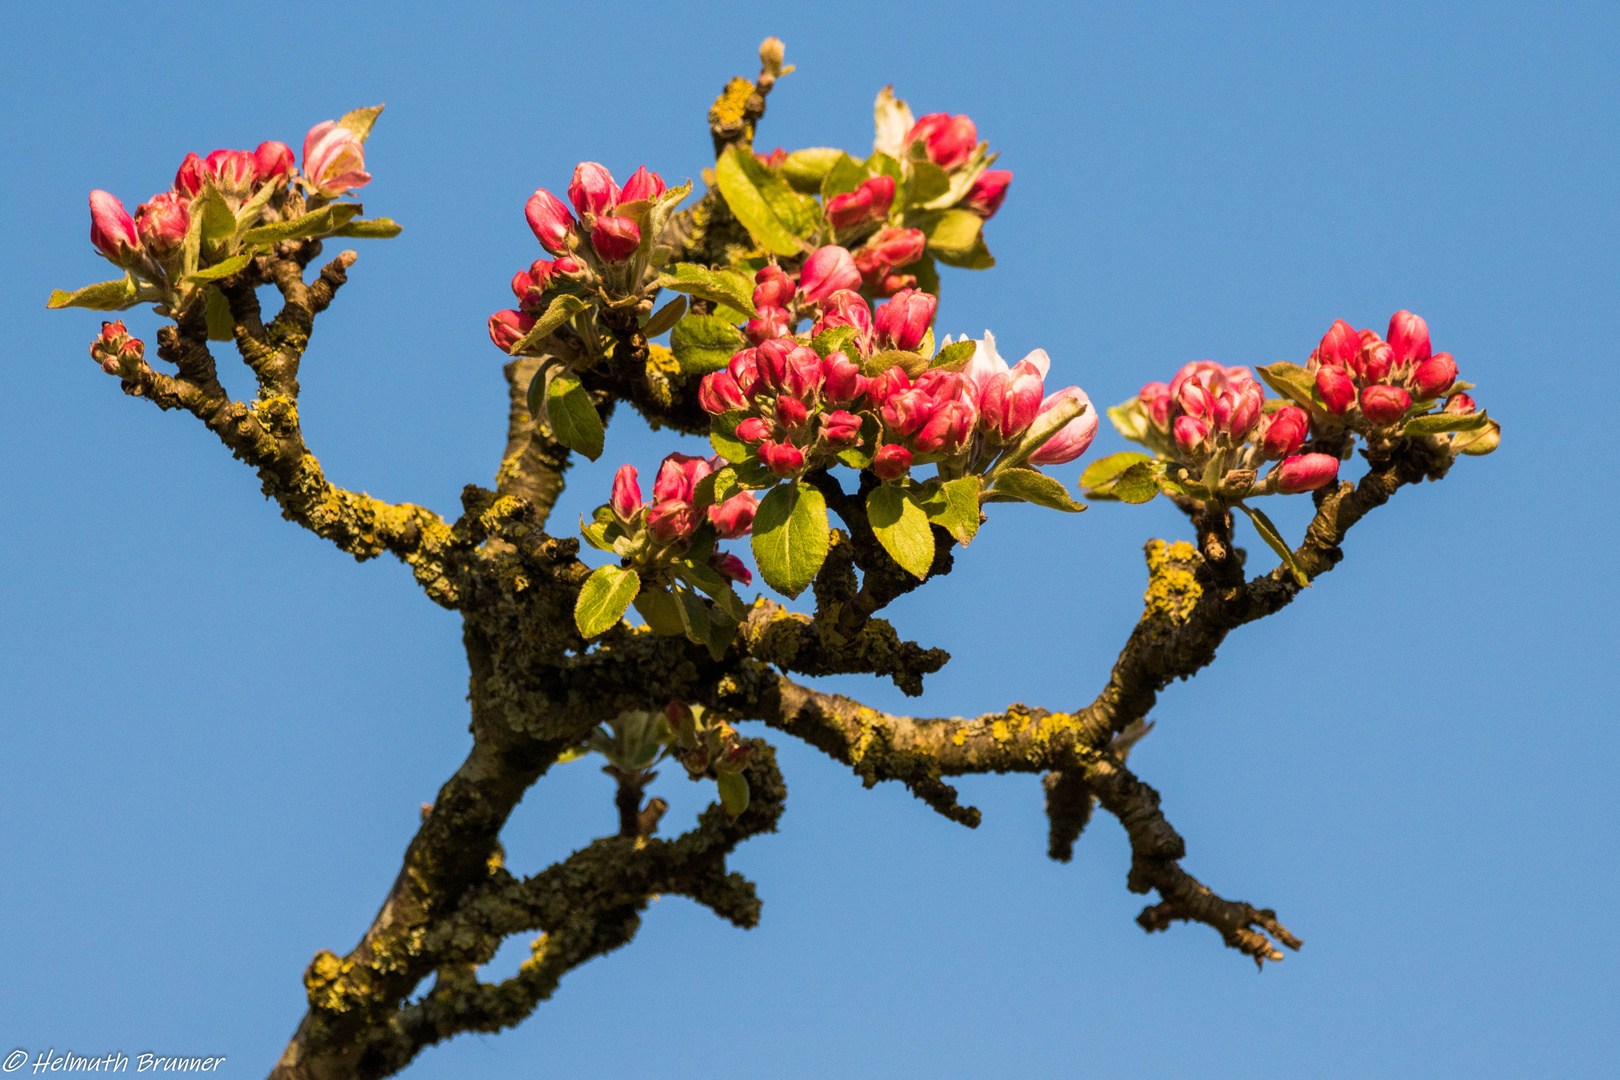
[[375, 229], [734, 290], [103, 296], [360, 121], [573, 419], [704, 343], [665, 317], [1480, 442], [1046, 425], [955, 356], [1100, 475], [661, 611], [1036, 487], [1438, 423], [757, 202], [327, 219], [834, 340], [220, 270], [791, 536], [221, 324], [219, 220], [845, 175], [733, 793], [603, 599], [956, 508], [1130, 419], [901, 526], [560, 310], [805, 169], [1268, 532], [952, 234], [1139, 483], [928, 182], [1292, 382], [913, 364]]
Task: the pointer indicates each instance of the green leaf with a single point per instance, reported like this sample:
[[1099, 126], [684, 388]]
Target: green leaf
[[572, 418], [1100, 475], [1292, 382], [928, 182], [977, 257], [901, 527], [732, 289], [219, 220], [955, 356], [560, 310], [805, 169], [1139, 483], [328, 219], [760, 200], [1268, 532], [360, 121], [661, 611], [221, 324], [725, 442], [103, 296], [956, 508], [1046, 425], [665, 317], [834, 340], [703, 343], [733, 793], [1438, 423], [1036, 487], [597, 534], [604, 598], [1478, 443], [221, 270], [374, 229], [791, 536], [913, 364], [1130, 418], [845, 175], [694, 616], [952, 234]]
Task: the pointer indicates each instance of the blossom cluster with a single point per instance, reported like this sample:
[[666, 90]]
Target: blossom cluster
[[1369, 382], [653, 536]]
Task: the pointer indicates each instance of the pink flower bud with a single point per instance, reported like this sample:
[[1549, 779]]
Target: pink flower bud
[[272, 161], [790, 411], [891, 462], [1373, 363], [506, 327], [772, 287], [783, 459], [113, 347], [947, 140], [1073, 438], [1337, 389], [1155, 396], [773, 362], [885, 385], [843, 380], [615, 238], [1011, 400], [678, 476], [188, 181], [1339, 345], [334, 159], [893, 283], [841, 428], [550, 220], [719, 393], [888, 249], [881, 188], [1190, 433], [906, 411], [827, 270], [729, 566], [1238, 410], [734, 517], [1194, 399], [802, 376], [902, 322], [1307, 472], [988, 192], [846, 308], [868, 202], [592, 191], [643, 185], [673, 519], [1408, 339], [772, 160], [754, 429], [1384, 404], [1433, 376], [626, 497], [1459, 405], [744, 367], [112, 230], [771, 322], [162, 222], [235, 172], [946, 430], [1284, 432]]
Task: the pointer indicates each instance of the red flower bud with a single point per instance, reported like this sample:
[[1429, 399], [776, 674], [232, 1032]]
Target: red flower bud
[[1073, 438], [891, 462], [946, 430], [1384, 404], [908, 410], [1337, 389], [948, 141], [843, 380], [673, 519], [893, 283], [642, 186], [1408, 339], [113, 346], [162, 223], [1373, 363], [881, 189], [272, 161], [1285, 432], [235, 172], [678, 476], [846, 308], [988, 192], [506, 327], [112, 230], [1011, 400], [783, 459], [719, 393], [902, 322], [728, 565], [771, 322], [790, 411], [841, 428], [885, 385], [1433, 377], [826, 271], [754, 429], [1156, 397], [592, 191], [188, 181], [615, 238], [1459, 405], [334, 159], [896, 247], [1307, 472], [744, 367], [1190, 433], [1237, 411], [868, 202], [550, 220], [803, 375], [626, 497], [772, 287], [1339, 345], [1194, 399], [772, 160], [733, 518]]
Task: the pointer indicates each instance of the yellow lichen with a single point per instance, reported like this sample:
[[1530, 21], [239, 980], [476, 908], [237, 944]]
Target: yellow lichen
[[1172, 590]]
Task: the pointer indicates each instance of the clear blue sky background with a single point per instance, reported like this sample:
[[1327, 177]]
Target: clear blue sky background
[[217, 729]]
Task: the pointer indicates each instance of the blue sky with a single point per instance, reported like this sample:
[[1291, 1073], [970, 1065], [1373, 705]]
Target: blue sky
[[218, 729]]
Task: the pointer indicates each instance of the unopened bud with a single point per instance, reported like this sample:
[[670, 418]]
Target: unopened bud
[[904, 320], [719, 393], [790, 411], [771, 322], [728, 565], [1073, 438], [1433, 376], [988, 192], [626, 497], [162, 222], [891, 462], [754, 430], [1384, 404], [615, 238], [1337, 389], [1190, 433], [506, 328], [1285, 431], [947, 141], [844, 381], [592, 191], [188, 180], [1339, 345], [112, 230], [550, 220], [1408, 339], [642, 186], [827, 270], [1011, 400], [841, 428], [783, 459], [1373, 362], [1155, 397], [1306, 472], [772, 287], [734, 517], [1459, 405], [235, 172], [273, 161]]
